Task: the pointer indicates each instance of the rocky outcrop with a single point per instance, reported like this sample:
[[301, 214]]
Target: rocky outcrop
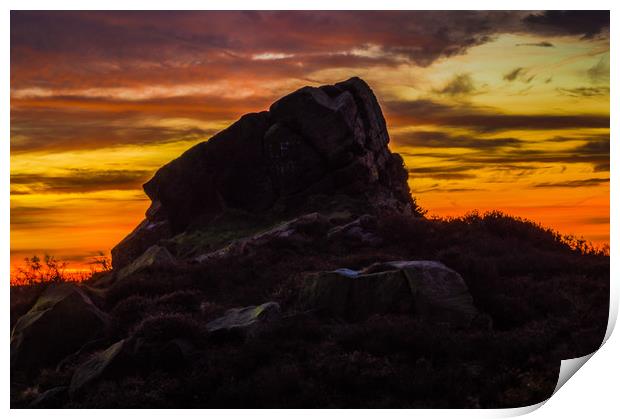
[[428, 289], [62, 320], [328, 141]]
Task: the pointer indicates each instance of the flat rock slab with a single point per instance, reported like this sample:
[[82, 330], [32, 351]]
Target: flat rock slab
[[246, 319], [295, 233], [357, 232], [128, 355], [97, 365], [154, 256], [61, 321], [428, 289]]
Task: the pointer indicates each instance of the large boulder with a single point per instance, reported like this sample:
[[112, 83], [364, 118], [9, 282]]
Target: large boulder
[[427, 289], [317, 142], [62, 320]]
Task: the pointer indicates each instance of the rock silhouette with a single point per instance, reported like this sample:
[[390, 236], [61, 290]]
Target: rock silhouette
[[320, 145]]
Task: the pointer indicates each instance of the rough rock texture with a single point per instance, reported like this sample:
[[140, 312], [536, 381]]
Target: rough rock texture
[[356, 232], [97, 365], [147, 233], [131, 353], [61, 321], [245, 320], [153, 256], [295, 233], [429, 289], [329, 141]]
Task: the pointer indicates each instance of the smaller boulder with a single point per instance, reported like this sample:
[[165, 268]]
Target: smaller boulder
[[357, 232], [130, 354], [62, 320], [149, 231], [351, 294], [440, 293], [155, 256], [246, 320], [427, 289], [97, 365]]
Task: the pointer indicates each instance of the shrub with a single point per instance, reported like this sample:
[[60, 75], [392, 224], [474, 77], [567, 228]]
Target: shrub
[[169, 326], [180, 301], [36, 270]]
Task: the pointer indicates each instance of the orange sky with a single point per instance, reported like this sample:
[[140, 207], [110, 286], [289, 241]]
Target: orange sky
[[491, 110]]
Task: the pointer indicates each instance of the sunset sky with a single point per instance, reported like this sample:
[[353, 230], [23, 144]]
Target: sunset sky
[[490, 110]]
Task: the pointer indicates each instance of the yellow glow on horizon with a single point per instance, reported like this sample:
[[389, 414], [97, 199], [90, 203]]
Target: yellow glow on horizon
[[553, 81]]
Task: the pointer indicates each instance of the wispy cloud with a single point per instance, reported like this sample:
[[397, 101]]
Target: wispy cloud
[[579, 183], [460, 85], [484, 119], [512, 75], [599, 72], [543, 44], [80, 181], [448, 175], [438, 139], [585, 91]]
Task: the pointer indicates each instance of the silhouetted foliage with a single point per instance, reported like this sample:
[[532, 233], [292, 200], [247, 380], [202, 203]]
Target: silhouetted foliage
[[35, 270], [100, 263]]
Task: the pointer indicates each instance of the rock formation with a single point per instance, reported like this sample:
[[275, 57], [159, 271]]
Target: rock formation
[[316, 148]]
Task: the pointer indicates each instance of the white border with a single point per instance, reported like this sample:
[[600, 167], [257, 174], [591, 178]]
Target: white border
[[592, 393]]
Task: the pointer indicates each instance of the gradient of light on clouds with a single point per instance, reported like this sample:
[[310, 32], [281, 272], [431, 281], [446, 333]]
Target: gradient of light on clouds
[[491, 110]]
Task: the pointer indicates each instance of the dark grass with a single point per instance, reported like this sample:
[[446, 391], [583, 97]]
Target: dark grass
[[544, 297]]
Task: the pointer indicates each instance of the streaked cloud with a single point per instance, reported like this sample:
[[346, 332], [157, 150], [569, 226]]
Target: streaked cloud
[[80, 181], [484, 119], [599, 72], [579, 183], [513, 74], [543, 44], [585, 91], [460, 85], [586, 23], [438, 139]]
